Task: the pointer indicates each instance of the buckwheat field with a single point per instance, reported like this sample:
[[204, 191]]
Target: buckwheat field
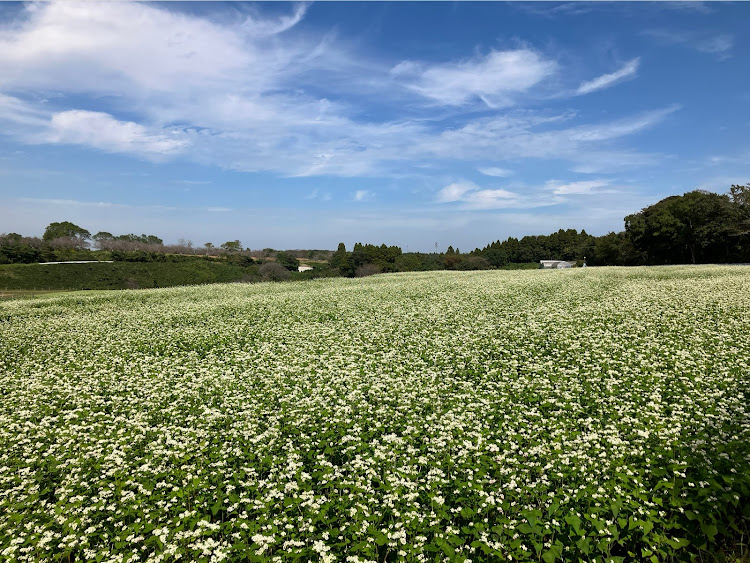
[[577, 415]]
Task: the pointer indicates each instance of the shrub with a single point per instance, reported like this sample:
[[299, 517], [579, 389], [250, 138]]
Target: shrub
[[288, 261], [367, 270], [271, 271]]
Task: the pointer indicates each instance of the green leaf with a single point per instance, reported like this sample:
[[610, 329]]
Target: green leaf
[[525, 529], [467, 512], [678, 543], [574, 521], [710, 530], [380, 537], [448, 549]]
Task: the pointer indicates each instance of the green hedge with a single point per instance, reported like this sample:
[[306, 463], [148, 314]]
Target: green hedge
[[119, 275]]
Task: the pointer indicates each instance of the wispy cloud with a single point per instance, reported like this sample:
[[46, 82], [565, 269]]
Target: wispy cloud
[[263, 27], [102, 131], [628, 70], [363, 195], [720, 45], [550, 10], [621, 127], [193, 182], [586, 187], [474, 197], [320, 195], [496, 172], [495, 79], [226, 94]]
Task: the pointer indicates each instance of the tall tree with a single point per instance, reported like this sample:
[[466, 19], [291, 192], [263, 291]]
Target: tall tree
[[232, 246], [340, 258], [65, 229], [693, 228]]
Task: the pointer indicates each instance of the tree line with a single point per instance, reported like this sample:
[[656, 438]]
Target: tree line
[[694, 228], [698, 227]]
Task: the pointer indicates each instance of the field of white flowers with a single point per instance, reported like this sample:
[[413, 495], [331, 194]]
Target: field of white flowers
[[571, 415]]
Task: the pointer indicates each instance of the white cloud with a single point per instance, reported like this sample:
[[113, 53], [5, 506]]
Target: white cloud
[[494, 79], [319, 195], [102, 131], [496, 172], [455, 191], [628, 70], [363, 195], [720, 45], [235, 94], [260, 27], [19, 117], [538, 136], [621, 127], [71, 202], [576, 188], [493, 199], [473, 197]]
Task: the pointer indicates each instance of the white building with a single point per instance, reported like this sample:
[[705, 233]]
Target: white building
[[555, 264]]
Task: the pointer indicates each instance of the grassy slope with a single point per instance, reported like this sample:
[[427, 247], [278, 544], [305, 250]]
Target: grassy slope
[[117, 275]]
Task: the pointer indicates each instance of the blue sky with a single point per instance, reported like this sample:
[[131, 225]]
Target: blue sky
[[292, 125]]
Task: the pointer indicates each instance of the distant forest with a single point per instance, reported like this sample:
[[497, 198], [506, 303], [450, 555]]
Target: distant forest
[[698, 227]]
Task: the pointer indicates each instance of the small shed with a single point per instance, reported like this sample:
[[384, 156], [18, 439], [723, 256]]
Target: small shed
[[555, 264]]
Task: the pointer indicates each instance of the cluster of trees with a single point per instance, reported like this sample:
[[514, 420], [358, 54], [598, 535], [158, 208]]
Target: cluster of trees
[[64, 241], [697, 227], [563, 245], [365, 259]]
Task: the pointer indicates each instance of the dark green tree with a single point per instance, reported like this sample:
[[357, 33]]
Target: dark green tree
[[232, 246], [613, 249], [340, 258], [287, 260], [692, 228], [65, 229]]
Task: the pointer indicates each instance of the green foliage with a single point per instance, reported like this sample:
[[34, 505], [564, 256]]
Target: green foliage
[[693, 228], [142, 274], [614, 249], [65, 229], [232, 246], [143, 239], [563, 245], [340, 260], [287, 260], [23, 254], [382, 257], [102, 236], [272, 271], [418, 262]]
